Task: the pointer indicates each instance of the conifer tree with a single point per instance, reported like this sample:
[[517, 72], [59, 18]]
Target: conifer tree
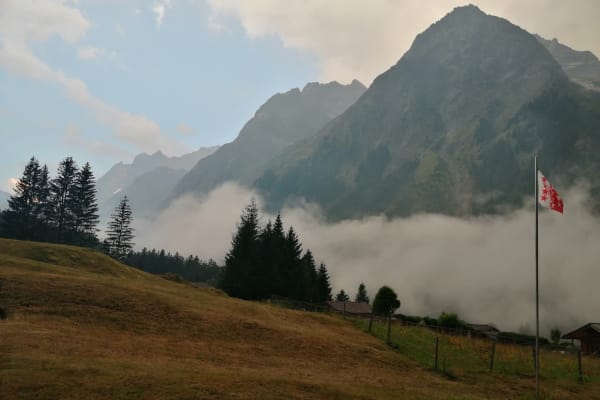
[[120, 233], [239, 278], [292, 272], [62, 188], [84, 205], [342, 296], [323, 284], [310, 277], [361, 295], [20, 218], [43, 204]]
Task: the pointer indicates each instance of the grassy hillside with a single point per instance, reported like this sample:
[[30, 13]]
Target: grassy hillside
[[81, 325]]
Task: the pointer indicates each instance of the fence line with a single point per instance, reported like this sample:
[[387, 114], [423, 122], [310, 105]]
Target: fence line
[[454, 350]]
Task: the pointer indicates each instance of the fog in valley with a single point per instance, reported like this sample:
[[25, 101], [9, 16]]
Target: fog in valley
[[481, 268]]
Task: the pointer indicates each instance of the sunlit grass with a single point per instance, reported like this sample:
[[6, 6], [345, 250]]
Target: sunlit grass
[[82, 326]]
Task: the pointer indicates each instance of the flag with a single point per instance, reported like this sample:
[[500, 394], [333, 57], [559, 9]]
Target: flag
[[547, 195]]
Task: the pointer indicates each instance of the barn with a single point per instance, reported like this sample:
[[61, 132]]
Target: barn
[[589, 337]]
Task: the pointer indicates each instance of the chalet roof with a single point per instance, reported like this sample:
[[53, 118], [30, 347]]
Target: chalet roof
[[483, 327], [593, 328], [351, 307]]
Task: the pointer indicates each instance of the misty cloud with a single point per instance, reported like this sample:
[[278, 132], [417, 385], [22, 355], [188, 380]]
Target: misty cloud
[[361, 39], [482, 268]]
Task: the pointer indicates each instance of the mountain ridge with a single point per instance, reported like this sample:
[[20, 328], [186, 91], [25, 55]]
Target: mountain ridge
[[281, 121], [466, 106]]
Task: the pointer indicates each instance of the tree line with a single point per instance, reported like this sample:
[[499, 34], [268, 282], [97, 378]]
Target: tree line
[[267, 261], [160, 262], [62, 209]]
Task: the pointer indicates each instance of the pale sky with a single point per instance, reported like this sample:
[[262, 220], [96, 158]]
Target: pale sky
[[103, 80]]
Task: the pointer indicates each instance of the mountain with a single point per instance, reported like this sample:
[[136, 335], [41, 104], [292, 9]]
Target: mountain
[[451, 128], [122, 175], [4, 196], [145, 180], [147, 192], [582, 67], [283, 120]]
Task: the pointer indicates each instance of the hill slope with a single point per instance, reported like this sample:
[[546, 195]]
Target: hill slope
[[81, 325], [451, 128]]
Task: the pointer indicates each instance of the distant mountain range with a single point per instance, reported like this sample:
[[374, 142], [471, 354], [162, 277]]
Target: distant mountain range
[[147, 181], [451, 128], [283, 120], [582, 67]]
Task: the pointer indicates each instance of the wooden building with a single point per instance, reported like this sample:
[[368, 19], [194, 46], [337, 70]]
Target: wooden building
[[589, 337], [350, 307]]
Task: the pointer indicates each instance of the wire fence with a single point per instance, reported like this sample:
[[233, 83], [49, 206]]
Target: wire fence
[[456, 351]]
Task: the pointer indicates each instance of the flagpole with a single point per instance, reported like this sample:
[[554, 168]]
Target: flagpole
[[537, 293]]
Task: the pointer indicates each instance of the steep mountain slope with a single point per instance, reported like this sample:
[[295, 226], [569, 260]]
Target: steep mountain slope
[[121, 175], [582, 67], [283, 120], [451, 128], [79, 325]]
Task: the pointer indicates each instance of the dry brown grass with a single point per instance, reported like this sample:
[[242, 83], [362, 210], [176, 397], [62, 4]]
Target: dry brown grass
[[83, 326]]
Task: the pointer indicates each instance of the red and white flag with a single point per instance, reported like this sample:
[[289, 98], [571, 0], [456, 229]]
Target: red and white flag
[[547, 195]]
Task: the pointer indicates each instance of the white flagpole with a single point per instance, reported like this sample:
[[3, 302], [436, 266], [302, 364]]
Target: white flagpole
[[537, 292]]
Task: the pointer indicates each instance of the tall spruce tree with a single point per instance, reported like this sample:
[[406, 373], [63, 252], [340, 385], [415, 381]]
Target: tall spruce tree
[[62, 190], [43, 204], [119, 240], [84, 205], [323, 284], [239, 276], [361, 295], [20, 220], [293, 274], [310, 277]]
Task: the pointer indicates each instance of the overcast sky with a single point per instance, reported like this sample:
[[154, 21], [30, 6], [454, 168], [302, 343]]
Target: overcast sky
[[103, 80]]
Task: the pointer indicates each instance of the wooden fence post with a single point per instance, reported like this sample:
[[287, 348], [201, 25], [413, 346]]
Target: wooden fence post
[[435, 365], [389, 329], [534, 359], [579, 365], [492, 357], [370, 321]]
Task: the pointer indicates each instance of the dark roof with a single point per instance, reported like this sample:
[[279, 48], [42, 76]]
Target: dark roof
[[483, 327], [351, 307], [592, 327]]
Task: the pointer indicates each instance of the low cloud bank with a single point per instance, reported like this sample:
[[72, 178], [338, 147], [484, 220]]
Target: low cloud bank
[[482, 268]]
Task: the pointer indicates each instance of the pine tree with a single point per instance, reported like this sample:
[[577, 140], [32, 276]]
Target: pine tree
[[43, 205], [20, 218], [120, 233], [310, 278], [84, 205], [342, 296], [361, 295], [323, 285], [62, 187], [239, 278], [292, 269]]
